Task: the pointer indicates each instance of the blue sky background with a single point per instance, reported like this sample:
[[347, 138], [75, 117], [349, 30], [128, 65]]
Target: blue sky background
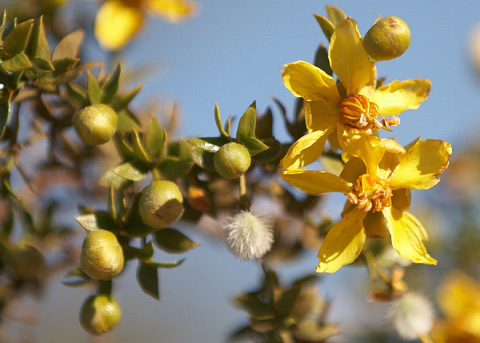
[[230, 54]]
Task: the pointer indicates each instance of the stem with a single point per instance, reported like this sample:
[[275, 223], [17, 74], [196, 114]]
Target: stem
[[244, 201], [264, 268], [105, 287]]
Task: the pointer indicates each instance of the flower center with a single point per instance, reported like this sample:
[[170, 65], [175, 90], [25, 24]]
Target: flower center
[[370, 193], [357, 112]]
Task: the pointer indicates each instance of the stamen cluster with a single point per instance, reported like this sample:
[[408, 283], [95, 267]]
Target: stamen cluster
[[370, 193], [357, 112]]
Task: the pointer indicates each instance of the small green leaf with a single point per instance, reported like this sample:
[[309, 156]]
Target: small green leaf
[[184, 150], [139, 152], [253, 306], [135, 226], [210, 144], [326, 25], [173, 241], [287, 300], [97, 220], [4, 115], [254, 145], [93, 89], [76, 278], [147, 278], [120, 102], [129, 172], [17, 63], [123, 148], [69, 46], [42, 64], [247, 123], [321, 59], [167, 265], [17, 39], [38, 44], [273, 153], [126, 123], [172, 168], [218, 121], [155, 139], [110, 86], [335, 14], [202, 151], [77, 95], [264, 127]]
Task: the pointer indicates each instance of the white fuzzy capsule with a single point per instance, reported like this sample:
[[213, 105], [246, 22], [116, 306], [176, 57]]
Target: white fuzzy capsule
[[412, 316], [248, 236]]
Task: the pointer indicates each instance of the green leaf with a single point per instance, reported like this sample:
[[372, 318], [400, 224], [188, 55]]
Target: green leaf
[[184, 150], [173, 241], [147, 278], [202, 151], [264, 127], [287, 300], [4, 115], [172, 168], [155, 139], [139, 152], [69, 46], [38, 44], [17, 63], [218, 121], [93, 89], [96, 220], [335, 14], [326, 25], [122, 101], [321, 59], [76, 278], [135, 226], [273, 153], [210, 144], [123, 148], [129, 172], [42, 64], [17, 39], [126, 123], [254, 145], [110, 86], [76, 95], [253, 306], [247, 123]]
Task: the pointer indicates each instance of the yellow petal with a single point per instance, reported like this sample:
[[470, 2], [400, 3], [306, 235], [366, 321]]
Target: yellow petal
[[459, 299], [305, 151], [354, 167], [343, 243], [421, 166], [399, 96], [348, 58], [310, 82], [320, 114], [172, 10], [407, 234], [374, 224], [316, 182], [401, 199], [116, 24], [364, 145]]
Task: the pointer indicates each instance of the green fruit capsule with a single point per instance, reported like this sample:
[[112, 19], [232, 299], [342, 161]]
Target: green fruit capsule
[[95, 124], [102, 256], [232, 160], [99, 314], [387, 39], [161, 204]]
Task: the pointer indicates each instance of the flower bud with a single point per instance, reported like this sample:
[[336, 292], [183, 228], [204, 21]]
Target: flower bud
[[95, 124], [387, 39], [161, 204], [412, 316], [248, 236], [102, 256], [99, 314], [231, 160]]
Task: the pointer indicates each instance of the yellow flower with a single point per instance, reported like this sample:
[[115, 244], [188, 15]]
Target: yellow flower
[[377, 187], [352, 105], [459, 300], [118, 21]]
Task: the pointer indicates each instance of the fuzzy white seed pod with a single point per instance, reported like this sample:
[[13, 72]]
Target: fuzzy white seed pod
[[412, 316], [248, 236]]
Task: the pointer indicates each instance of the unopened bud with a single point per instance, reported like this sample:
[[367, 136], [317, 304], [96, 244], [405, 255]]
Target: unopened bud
[[387, 39], [102, 256], [99, 314], [95, 124], [248, 236], [232, 160], [412, 316]]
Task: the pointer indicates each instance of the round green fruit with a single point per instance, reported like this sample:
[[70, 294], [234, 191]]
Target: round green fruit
[[26, 261], [161, 204], [232, 160], [95, 124], [99, 314], [102, 256], [387, 39]]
